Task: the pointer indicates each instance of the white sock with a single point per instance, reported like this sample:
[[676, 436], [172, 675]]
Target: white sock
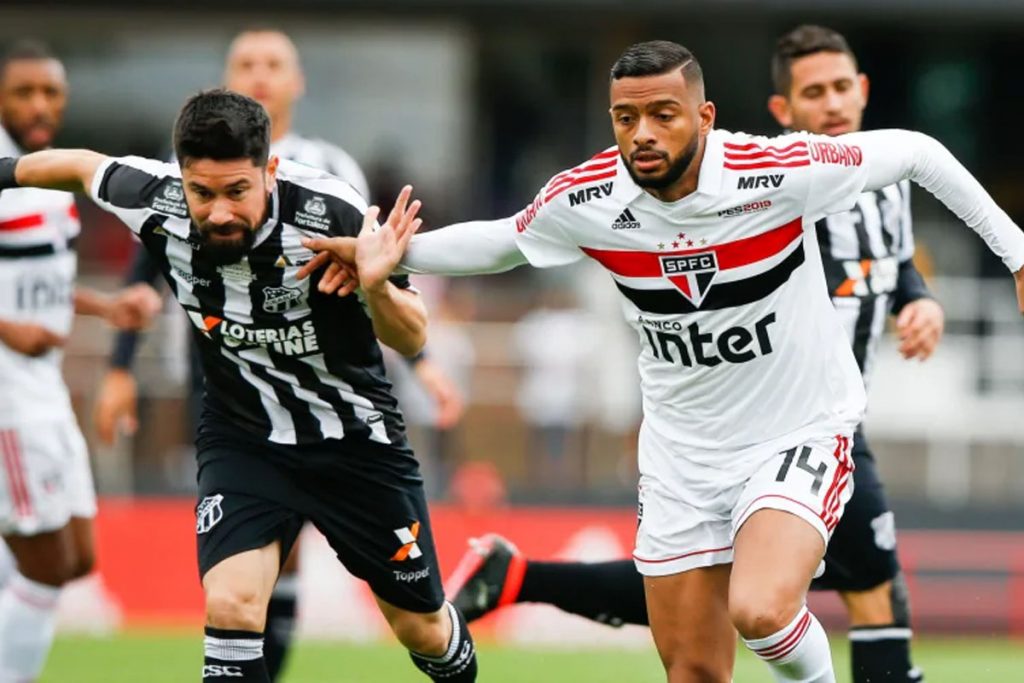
[[28, 616], [799, 653]]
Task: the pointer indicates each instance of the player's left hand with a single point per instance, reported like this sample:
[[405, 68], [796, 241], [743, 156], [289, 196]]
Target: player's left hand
[[920, 325], [379, 249], [134, 307]]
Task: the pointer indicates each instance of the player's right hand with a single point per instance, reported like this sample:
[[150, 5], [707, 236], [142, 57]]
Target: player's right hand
[[28, 338], [116, 406]]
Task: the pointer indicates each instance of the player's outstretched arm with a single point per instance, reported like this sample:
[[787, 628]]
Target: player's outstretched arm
[[471, 248], [132, 308], [52, 169], [894, 155]]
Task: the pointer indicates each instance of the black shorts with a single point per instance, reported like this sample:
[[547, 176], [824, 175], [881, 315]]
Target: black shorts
[[366, 498], [862, 552]]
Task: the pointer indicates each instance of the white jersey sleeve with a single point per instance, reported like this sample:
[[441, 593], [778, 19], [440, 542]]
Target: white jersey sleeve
[[844, 166], [541, 233], [135, 189]]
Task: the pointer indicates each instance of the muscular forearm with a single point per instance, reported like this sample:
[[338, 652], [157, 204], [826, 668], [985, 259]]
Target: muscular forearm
[[57, 169], [399, 318], [895, 155], [472, 248], [90, 302]]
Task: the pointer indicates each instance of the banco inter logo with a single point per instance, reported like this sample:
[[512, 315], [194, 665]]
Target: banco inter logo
[[626, 221], [754, 182], [689, 345], [692, 274]]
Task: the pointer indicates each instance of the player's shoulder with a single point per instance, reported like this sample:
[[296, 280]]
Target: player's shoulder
[[311, 199], [134, 182], [590, 183]]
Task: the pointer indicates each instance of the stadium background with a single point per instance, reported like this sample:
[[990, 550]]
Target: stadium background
[[477, 103]]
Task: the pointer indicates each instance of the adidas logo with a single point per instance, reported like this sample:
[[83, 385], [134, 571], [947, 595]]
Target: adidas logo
[[626, 221]]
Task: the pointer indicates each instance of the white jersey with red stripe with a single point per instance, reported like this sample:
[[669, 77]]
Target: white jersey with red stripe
[[37, 274], [725, 288]]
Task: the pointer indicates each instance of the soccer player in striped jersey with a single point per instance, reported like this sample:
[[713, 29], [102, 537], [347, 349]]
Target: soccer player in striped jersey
[[751, 390], [263, 64], [47, 500], [867, 253], [298, 421]]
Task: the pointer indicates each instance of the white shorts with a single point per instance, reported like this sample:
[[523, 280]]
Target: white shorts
[[690, 511], [44, 477]]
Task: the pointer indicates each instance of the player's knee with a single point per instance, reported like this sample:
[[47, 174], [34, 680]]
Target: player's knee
[[235, 608], [426, 634], [760, 616]]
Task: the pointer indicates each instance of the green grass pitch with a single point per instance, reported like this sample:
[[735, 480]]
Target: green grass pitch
[[156, 657]]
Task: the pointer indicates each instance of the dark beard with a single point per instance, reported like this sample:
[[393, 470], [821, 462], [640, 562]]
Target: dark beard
[[674, 172], [223, 253]]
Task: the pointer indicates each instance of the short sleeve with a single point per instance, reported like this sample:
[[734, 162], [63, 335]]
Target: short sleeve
[[541, 234], [838, 175], [339, 163], [136, 189]]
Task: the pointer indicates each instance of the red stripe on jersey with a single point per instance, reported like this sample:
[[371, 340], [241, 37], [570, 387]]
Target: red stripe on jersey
[[750, 156], [747, 166], [607, 154], [730, 255], [580, 181], [589, 168], [753, 146], [23, 222]]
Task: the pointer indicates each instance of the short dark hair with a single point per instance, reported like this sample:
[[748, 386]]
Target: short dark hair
[[804, 41], [222, 125], [656, 57], [24, 50]]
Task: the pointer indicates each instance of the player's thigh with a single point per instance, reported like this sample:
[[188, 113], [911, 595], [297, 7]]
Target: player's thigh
[[689, 618], [238, 588], [861, 555], [783, 521], [370, 505]]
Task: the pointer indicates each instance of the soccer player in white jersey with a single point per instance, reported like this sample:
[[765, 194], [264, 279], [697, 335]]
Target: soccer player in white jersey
[[751, 391], [47, 500], [867, 253], [263, 64]]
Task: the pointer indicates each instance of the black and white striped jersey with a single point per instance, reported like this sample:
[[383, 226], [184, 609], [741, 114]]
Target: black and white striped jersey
[[862, 251], [280, 359], [324, 156]]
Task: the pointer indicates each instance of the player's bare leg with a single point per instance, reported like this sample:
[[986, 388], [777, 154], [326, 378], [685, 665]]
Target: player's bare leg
[[776, 556], [28, 602], [439, 642], [281, 614], [689, 618], [237, 591]]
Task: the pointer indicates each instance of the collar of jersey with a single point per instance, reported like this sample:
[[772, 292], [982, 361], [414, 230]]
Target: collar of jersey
[[268, 226], [708, 183]]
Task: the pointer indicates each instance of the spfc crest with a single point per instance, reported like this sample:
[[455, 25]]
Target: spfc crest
[[692, 274]]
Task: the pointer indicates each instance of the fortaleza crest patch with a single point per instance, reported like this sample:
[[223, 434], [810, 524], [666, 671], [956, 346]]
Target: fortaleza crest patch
[[280, 299], [691, 274], [208, 513]]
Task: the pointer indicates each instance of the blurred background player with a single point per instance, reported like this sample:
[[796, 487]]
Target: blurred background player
[[47, 499], [868, 258], [263, 64]]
